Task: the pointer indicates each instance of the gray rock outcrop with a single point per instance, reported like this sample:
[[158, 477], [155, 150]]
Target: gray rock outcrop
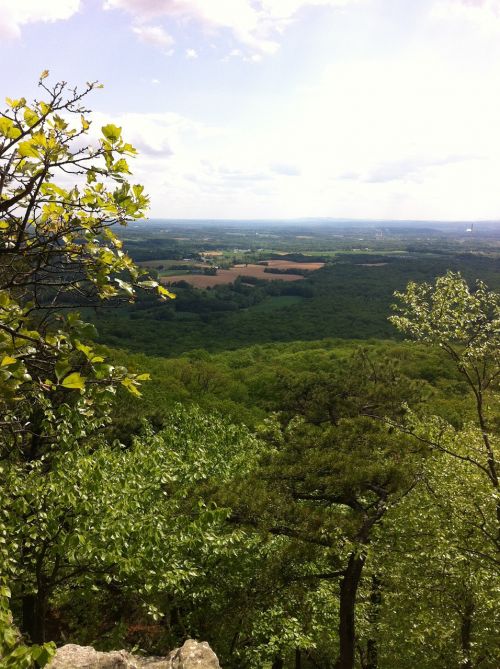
[[192, 655]]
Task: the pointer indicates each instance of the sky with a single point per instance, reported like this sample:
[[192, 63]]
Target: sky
[[245, 109]]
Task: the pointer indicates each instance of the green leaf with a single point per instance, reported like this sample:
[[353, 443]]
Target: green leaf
[[15, 104], [27, 150], [121, 166], [129, 384], [8, 129], [111, 132], [30, 117], [44, 108], [62, 367], [163, 291], [86, 350], [148, 284], [74, 381], [43, 654], [125, 286], [5, 591], [8, 360]]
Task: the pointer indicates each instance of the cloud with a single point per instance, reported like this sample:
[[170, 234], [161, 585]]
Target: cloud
[[156, 136], [285, 170], [191, 54], [154, 35], [286, 8], [483, 14], [410, 137], [411, 168], [14, 14], [415, 137], [239, 176], [255, 23]]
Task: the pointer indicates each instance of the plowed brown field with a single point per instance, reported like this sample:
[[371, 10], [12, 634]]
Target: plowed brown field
[[289, 264], [225, 276]]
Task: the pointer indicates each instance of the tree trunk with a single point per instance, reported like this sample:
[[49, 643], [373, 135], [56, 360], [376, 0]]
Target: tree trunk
[[371, 654], [347, 631], [466, 634], [298, 659], [278, 662], [34, 611], [371, 644]]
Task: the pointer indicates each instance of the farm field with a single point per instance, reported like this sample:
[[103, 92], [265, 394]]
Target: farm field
[[291, 264], [228, 276], [350, 295]]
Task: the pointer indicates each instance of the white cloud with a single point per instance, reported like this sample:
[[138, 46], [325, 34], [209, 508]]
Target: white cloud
[[16, 13], [157, 135], [255, 23], [483, 14], [409, 169], [413, 138], [191, 54], [170, 146], [410, 137], [286, 8], [286, 170], [154, 35]]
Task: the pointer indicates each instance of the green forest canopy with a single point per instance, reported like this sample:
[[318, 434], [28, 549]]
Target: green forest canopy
[[303, 504]]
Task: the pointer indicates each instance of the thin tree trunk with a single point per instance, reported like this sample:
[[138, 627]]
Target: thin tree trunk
[[347, 630], [34, 611], [371, 644], [466, 634], [278, 662], [28, 615], [298, 659]]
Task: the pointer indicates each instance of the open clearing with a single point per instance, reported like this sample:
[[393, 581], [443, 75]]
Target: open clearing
[[290, 264], [226, 276]]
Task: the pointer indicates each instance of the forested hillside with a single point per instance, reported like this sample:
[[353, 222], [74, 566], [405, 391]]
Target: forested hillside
[[305, 473], [350, 297]]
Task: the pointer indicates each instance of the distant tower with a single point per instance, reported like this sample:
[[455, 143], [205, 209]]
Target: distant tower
[[471, 229]]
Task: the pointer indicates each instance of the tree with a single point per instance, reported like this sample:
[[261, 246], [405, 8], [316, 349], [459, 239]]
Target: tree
[[131, 520], [465, 324], [440, 601], [463, 485], [331, 477], [57, 252]]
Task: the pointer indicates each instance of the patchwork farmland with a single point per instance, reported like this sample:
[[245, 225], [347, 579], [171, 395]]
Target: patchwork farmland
[[260, 271]]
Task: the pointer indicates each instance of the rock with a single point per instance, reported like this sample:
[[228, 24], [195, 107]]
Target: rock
[[85, 657], [192, 655]]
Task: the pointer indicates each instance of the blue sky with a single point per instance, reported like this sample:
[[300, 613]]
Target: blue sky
[[283, 108]]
